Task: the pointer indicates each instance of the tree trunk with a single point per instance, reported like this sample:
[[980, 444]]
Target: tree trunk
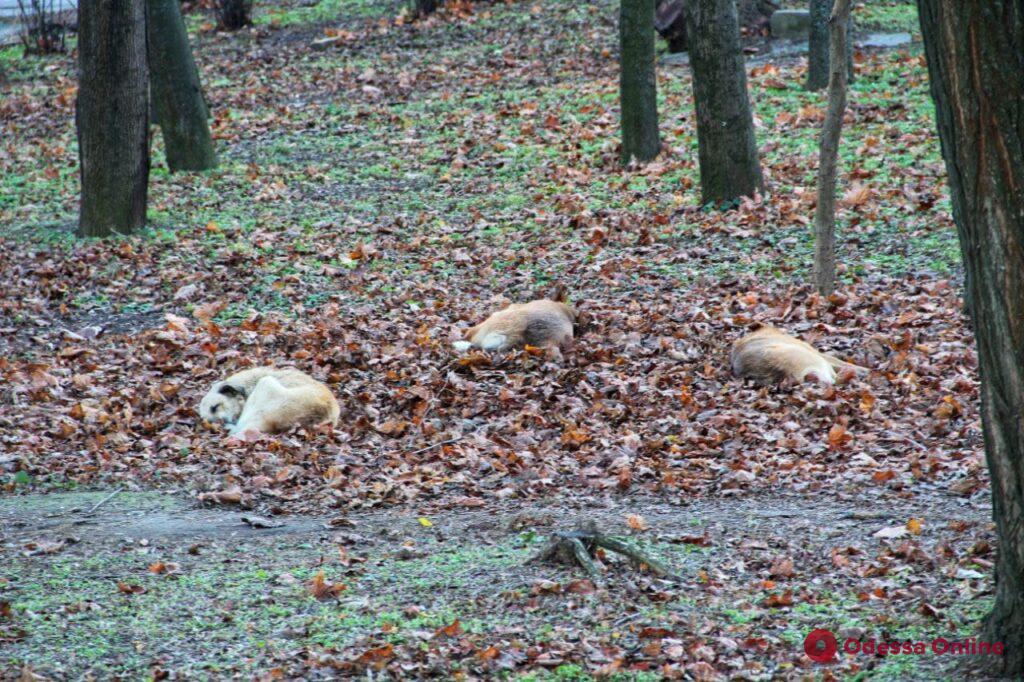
[[727, 149], [755, 15], [818, 46], [112, 116], [670, 23], [975, 53], [234, 14], [851, 73], [825, 215], [638, 81], [423, 8], [177, 97], [670, 19]]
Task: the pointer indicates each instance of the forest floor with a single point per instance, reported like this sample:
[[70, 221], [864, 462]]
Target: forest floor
[[378, 196]]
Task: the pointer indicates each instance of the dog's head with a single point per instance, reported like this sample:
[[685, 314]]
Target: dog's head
[[223, 403]]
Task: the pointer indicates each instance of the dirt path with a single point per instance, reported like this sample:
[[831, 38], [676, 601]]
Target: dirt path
[[150, 582], [170, 520]]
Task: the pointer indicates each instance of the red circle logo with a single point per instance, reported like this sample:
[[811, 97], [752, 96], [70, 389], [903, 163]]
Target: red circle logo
[[820, 646]]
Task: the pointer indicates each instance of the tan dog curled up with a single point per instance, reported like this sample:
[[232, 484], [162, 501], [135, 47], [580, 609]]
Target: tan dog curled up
[[542, 323], [269, 400], [770, 354]]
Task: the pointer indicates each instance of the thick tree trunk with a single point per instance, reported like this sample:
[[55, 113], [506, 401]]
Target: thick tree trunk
[[818, 46], [112, 116], [975, 53], [825, 214], [727, 149], [178, 104], [638, 81]]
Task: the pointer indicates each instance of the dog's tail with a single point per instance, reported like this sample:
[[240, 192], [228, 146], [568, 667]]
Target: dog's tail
[[558, 293], [554, 292]]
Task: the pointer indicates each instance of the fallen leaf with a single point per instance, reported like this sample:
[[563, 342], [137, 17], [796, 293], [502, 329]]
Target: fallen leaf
[[232, 495], [126, 588], [452, 630], [636, 522], [321, 589], [779, 600], [782, 568]]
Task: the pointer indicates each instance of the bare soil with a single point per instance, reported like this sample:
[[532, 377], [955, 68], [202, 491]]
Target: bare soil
[[412, 574]]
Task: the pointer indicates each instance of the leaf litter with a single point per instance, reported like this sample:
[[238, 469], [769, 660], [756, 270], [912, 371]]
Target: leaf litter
[[106, 348]]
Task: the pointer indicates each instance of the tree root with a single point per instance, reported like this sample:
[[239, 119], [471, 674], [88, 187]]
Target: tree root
[[577, 548]]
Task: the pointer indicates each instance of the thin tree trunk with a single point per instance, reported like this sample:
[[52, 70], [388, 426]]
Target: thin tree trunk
[[818, 46], [177, 95], [727, 149], [975, 53], [112, 116], [423, 8], [233, 15], [825, 215], [638, 81]]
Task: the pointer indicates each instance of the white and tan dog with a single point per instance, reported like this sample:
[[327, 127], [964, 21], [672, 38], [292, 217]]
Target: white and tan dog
[[770, 354], [269, 400], [542, 323]]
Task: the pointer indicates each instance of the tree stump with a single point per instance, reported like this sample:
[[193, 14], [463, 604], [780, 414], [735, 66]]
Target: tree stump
[[578, 547]]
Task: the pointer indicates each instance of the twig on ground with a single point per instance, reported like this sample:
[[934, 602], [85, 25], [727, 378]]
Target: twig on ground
[[435, 445], [104, 501]]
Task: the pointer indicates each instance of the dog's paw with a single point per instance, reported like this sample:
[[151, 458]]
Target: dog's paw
[[237, 437], [462, 346]]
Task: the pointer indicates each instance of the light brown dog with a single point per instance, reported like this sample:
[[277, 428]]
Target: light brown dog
[[770, 354], [542, 323], [269, 400]]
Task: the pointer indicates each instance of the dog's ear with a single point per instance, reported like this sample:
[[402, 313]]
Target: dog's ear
[[230, 391]]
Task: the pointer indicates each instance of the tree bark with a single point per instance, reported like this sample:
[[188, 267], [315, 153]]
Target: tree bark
[[638, 93], [851, 73], [825, 214], [423, 8], [233, 15], [112, 116], [975, 54], [818, 46], [755, 14], [670, 23], [670, 19], [177, 96], [727, 149]]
